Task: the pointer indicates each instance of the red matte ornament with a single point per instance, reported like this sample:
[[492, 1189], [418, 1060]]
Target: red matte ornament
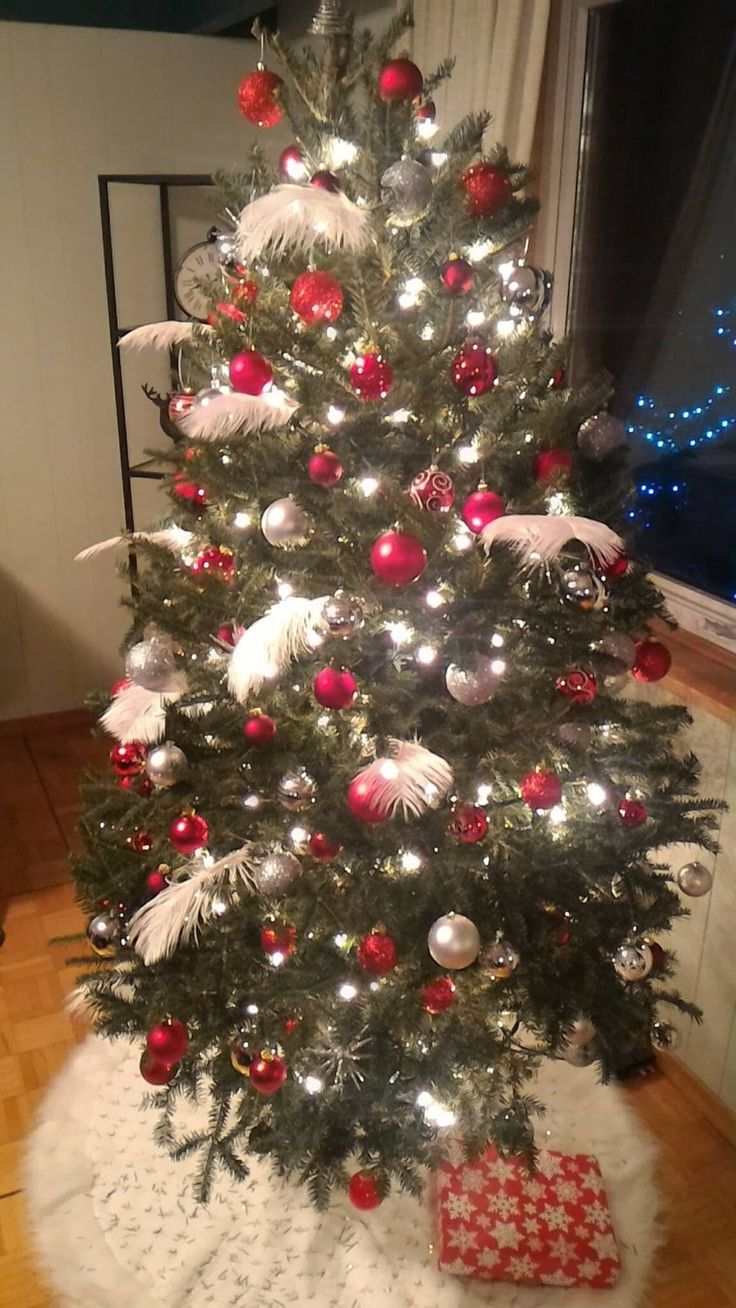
[[258, 98], [653, 661], [324, 467], [541, 789], [362, 804], [577, 685], [188, 833], [129, 759], [438, 995], [469, 824], [250, 373], [474, 368], [259, 729], [322, 848], [551, 463], [155, 883], [292, 164], [398, 558], [427, 112], [325, 181], [377, 953], [480, 508], [632, 812], [433, 490], [189, 491], [363, 1192], [457, 276], [226, 633], [335, 688], [167, 1042], [267, 1074], [154, 1072], [214, 561], [278, 940], [316, 297], [179, 404], [487, 187], [371, 376], [400, 79]]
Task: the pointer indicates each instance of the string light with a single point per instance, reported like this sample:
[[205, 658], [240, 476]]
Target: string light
[[437, 158], [313, 1085], [468, 454], [284, 589], [463, 539], [400, 632], [348, 992], [399, 416], [505, 327], [559, 504], [368, 486], [475, 318], [242, 521], [597, 794], [483, 794], [295, 168], [340, 152], [497, 640], [410, 862], [557, 815], [434, 599], [498, 667], [426, 129], [434, 1113], [335, 415], [426, 655], [478, 250], [427, 332], [410, 296], [299, 835]]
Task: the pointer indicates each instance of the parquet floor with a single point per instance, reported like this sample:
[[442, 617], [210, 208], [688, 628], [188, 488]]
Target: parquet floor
[[697, 1267]]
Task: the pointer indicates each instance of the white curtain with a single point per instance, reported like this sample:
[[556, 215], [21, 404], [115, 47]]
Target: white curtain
[[499, 53]]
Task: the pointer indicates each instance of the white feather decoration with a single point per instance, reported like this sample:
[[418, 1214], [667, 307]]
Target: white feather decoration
[[230, 412], [80, 1003], [266, 649], [160, 335], [178, 912], [140, 714], [411, 778], [295, 218], [538, 538], [172, 538]]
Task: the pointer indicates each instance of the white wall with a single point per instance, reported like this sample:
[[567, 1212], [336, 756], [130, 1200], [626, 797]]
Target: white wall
[[74, 103]]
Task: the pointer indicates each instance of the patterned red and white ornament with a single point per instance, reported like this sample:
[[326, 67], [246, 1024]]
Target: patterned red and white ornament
[[433, 490]]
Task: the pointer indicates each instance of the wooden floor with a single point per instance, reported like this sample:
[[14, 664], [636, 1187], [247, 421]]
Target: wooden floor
[[697, 1267]]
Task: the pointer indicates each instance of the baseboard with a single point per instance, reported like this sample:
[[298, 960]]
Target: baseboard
[[702, 1098], [45, 722]]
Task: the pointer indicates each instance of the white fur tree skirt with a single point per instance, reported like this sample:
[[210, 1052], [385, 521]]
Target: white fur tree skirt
[[115, 1224]]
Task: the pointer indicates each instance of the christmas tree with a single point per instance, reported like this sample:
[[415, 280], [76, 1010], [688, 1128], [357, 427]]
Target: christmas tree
[[380, 831]]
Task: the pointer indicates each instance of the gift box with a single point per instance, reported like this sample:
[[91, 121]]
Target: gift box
[[500, 1222]]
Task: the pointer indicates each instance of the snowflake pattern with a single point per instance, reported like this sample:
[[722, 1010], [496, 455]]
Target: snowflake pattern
[[506, 1205], [459, 1205], [506, 1235], [557, 1218], [464, 1239]]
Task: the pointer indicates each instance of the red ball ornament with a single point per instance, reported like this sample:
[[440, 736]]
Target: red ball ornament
[[371, 376], [632, 811], [154, 1072], [179, 404], [398, 80], [322, 848], [128, 760], [189, 491], [188, 833], [474, 368], [658, 958], [438, 994], [258, 98], [324, 467], [215, 561], [316, 297], [267, 1074], [487, 187], [362, 803], [558, 380], [226, 633], [292, 165], [155, 883], [469, 824], [653, 661], [541, 789], [141, 842], [139, 785], [250, 373], [551, 463], [259, 729], [398, 558], [577, 685], [480, 508], [613, 571], [377, 953], [167, 1042], [335, 688], [325, 181], [433, 490], [278, 940], [427, 112], [458, 277], [363, 1192]]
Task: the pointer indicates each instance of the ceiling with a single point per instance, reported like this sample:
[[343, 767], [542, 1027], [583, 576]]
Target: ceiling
[[205, 17]]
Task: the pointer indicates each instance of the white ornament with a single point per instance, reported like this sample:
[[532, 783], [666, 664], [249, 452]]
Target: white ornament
[[151, 662], [166, 764], [633, 961], [453, 941], [284, 523], [476, 683]]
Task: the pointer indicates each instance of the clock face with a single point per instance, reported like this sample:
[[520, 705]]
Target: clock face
[[197, 265]]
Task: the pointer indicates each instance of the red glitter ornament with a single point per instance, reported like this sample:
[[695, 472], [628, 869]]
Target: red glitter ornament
[[335, 688], [322, 848], [189, 491], [433, 490], [250, 373], [188, 833], [267, 1074], [371, 376], [614, 570], [258, 98], [316, 297], [141, 842], [155, 1072], [377, 953], [438, 994], [653, 661], [487, 187], [214, 561], [398, 558], [156, 882], [632, 811], [474, 368], [292, 164], [541, 789], [458, 276], [324, 467], [400, 79], [259, 729], [362, 804], [167, 1042], [551, 463], [363, 1192], [129, 759], [469, 824], [480, 508], [278, 940], [179, 404], [325, 181], [577, 685]]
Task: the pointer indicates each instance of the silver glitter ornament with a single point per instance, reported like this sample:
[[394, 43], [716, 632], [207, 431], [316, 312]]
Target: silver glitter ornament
[[600, 435], [243, 1051], [166, 764], [580, 1032], [475, 683], [226, 247], [633, 961], [296, 790], [284, 523], [330, 19], [151, 663], [527, 289], [694, 879], [103, 933], [453, 941], [406, 187], [665, 1036], [617, 646], [500, 959], [581, 586], [277, 874], [341, 615]]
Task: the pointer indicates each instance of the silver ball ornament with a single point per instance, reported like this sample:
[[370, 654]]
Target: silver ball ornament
[[577, 735], [284, 523], [600, 435], [527, 289], [226, 248], [618, 646], [694, 879], [341, 616], [277, 874], [166, 764], [453, 941], [581, 586], [406, 186], [103, 933], [475, 683], [296, 790], [665, 1036], [151, 663], [500, 959], [633, 961]]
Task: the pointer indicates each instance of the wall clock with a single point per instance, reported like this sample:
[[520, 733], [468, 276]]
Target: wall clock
[[198, 264]]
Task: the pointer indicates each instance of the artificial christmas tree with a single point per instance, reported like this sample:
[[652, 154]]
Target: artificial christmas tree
[[400, 837]]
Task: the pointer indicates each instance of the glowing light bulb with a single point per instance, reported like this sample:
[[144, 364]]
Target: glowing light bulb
[[335, 415], [341, 940], [483, 794], [389, 770], [347, 991], [284, 589], [434, 599], [498, 667], [426, 129], [313, 1085], [467, 454], [557, 815], [331, 333], [340, 152], [427, 332], [505, 327], [437, 158], [463, 539], [497, 640], [368, 486], [410, 861], [597, 794], [242, 520], [276, 959], [506, 269], [400, 632], [475, 318], [426, 655], [479, 250], [559, 504], [299, 835], [398, 416]]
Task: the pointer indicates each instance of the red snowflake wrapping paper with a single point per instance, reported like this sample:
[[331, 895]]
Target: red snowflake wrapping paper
[[499, 1222]]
